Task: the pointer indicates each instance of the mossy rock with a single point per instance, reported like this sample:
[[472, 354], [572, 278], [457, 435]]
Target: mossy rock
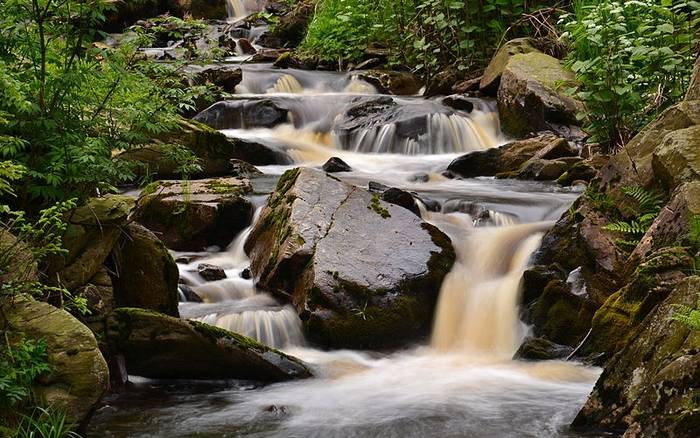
[[193, 215], [560, 316], [19, 263], [531, 95], [160, 346], [677, 159], [361, 272], [108, 210], [492, 75], [649, 388], [144, 273], [79, 375]]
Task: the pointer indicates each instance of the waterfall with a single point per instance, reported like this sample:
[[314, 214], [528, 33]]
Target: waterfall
[[235, 304], [236, 9], [477, 309]]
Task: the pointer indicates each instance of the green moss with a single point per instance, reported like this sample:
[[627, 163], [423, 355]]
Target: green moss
[[377, 207]]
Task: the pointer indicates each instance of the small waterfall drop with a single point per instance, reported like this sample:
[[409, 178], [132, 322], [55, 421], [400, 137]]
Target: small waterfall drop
[[477, 311], [237, 9], [234, 303]]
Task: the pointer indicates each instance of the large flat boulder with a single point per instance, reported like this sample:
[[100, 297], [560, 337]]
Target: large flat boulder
[[79, 375], [193, 215], [361, 272], [531, 95], [160, 346]]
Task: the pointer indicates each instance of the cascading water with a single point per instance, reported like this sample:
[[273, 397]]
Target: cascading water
[[238, 9], [234, 303], [464, 381]]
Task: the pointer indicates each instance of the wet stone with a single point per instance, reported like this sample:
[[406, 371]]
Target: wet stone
[[210, 272]]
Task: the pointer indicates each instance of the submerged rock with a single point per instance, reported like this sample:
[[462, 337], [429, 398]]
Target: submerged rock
[[79, 375], [335, 164], [210, 272], [360, 272], [144, 273], [160, 346], [193, 215], [542, 349], [244, 113], [531, 96]]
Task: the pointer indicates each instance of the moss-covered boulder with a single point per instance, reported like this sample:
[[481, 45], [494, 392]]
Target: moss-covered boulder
[[160, 346], [531, 97], [677, 159], [144, 273], [18, 263], [562, 316], [361, 272], [649, 285], [193, 215], [492, 75], [290, 29], [538, 169], [694, 86], [79, 375], [650, 388], [92, 231], [510, 157]]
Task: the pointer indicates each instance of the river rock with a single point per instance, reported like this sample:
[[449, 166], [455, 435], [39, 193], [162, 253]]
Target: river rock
[[392, 82], [291, 26], [335, 164], [694, 86], [161, 346], [542, 170], [650, 387], [509, 157], [193, 215], [210, 272], [242, 169], [144, 273], [79, 375], [361, 272], [243, 113], [224, 76], [542, 349], [530, 96], [561, 316], [492, 75], [402, 198]]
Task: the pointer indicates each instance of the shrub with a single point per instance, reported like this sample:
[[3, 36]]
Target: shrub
[[632, 59]]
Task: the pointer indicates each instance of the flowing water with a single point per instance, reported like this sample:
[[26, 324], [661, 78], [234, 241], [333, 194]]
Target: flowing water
[[462, 381]]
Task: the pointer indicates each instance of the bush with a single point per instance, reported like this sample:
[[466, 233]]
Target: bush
[[66, 104], [426, 34], [632, 60]]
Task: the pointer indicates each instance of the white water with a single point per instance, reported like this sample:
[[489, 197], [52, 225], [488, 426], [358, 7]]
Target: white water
[[238, 9], [462, 382]]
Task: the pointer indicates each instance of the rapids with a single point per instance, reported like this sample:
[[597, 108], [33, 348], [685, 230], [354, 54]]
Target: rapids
[[462, 381]]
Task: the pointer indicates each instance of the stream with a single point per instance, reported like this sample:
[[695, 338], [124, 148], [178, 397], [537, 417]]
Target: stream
[[462, 382]]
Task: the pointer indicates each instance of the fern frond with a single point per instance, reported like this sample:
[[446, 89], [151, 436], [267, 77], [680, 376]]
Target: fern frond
[[687, 316], [633, 227], [647, 201]]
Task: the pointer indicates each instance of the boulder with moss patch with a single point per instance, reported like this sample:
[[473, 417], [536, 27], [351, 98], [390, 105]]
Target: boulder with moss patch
[[492, 75], [144, 273], [161, 346], [650, 387], [531, 95], [79, 375], [361, 272], [193, 215]]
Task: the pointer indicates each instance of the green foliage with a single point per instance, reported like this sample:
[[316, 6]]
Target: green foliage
[[20, 364], [37, 240], [632, 59], [377, 207], [647, 207], [67, 105], [45, 423], [425, 34], [687, 315]]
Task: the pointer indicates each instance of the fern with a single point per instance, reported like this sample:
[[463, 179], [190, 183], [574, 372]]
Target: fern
[[687, 315], [647, 201], [648, 205]]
